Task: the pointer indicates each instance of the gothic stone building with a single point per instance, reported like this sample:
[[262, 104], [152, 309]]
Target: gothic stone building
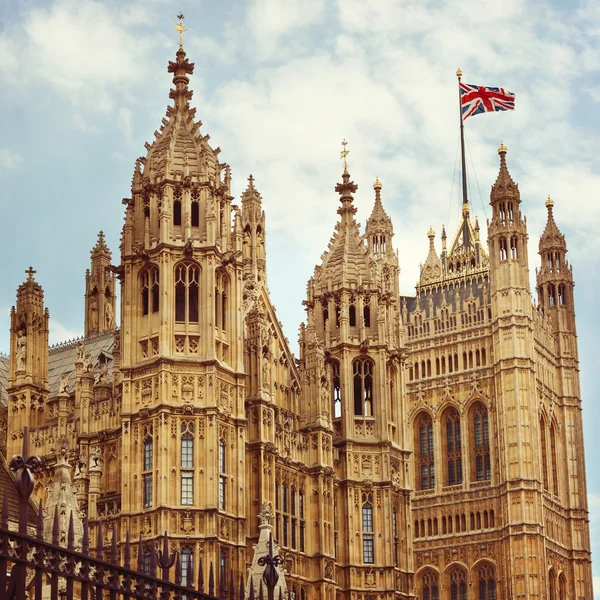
[[427, 446]]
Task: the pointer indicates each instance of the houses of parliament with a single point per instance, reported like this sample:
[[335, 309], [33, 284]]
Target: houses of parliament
[[425, 446]]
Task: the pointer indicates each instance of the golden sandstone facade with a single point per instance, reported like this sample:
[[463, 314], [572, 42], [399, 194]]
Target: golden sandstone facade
[[426, 446]]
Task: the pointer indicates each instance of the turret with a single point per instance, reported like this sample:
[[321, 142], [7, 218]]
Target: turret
[[100, 292], [432, 269], [379, 230], [28, 374], [555, 277], [507, 233], [253, 223]]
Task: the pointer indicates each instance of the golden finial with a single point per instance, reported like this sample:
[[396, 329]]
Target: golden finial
[[431, 232], [377, 185], [344, 153], [179, 27], [458, 73], [502, 149], [549, 202]]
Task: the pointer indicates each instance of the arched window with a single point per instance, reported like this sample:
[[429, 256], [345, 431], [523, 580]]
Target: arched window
[[363, 386], [503, 249], [150, 291], [430, 585], [562, 587], [148, 462], [195, 220], [177, 212], [454, 474], [424, 446], [187, 280], [513, 247], [544, 453], [221, 300], [187, 565], [552, 584], [336, 389], [487, 582], [458, 584], [480, 445], [367, 529], [551, 295], [352, 315], [555, 488], [187, 463], [222, 475], [367, 315]]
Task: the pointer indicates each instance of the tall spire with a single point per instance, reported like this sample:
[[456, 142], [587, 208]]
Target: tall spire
[[432, 269], [379, 229], [345, 190], [552, 238]]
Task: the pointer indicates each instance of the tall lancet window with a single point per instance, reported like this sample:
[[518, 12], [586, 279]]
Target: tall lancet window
[[480, 448], [150, 291], [187, 282], [187, 463], [454, 474], [336, 389], [147, 466], [363, 387], [424, 445], [367, 528]]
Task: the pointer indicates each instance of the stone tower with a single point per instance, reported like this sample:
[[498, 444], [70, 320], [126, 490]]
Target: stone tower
[[561, 429], [183, 417], [352, 368], [28, 370], [517, 459], [100, 292]]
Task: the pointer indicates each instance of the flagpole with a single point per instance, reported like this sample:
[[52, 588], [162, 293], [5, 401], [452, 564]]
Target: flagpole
[[465, 200]]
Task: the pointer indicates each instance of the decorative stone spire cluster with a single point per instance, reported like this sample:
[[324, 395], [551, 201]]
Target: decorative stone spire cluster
[[432, 269], [29, 332], [100, 290], [552, 238], [379, 230]]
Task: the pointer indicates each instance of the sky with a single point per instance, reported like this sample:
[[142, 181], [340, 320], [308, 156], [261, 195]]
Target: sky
[[278, 84]]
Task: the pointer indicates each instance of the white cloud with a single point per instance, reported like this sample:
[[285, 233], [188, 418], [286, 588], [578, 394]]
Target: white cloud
[[9, 159], [59, 333], [89, 51], [276, 24]]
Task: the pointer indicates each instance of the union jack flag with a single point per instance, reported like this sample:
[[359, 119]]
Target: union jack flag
[[475, 99]]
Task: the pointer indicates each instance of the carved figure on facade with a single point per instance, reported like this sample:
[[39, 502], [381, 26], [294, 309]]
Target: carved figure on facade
[[109, 315], [21, 353], [63, 384], [93, 313]]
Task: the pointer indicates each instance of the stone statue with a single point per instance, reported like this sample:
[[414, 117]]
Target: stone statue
[[93, 314], [63, 385], [87, 363], [265, 513], [109, 315], [21, 353], [103, 374], [81, 466], [95, 457], [80, 351]]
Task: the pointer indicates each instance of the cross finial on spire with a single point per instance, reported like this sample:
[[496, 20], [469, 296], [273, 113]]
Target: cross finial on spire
[[344, 153], [30, 272], [180, 27]]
